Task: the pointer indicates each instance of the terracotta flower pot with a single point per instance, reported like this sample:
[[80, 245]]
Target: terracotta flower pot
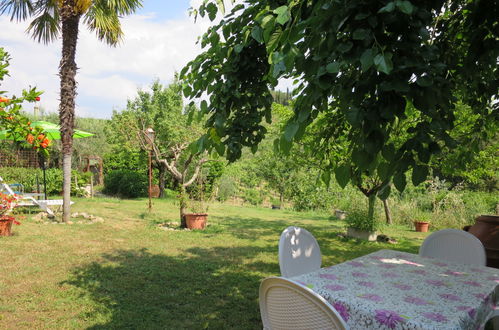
[[196, 220], [6, 225], [421, 226]]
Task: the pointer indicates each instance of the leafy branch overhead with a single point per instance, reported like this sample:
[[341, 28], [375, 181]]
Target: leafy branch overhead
[[364, 67]]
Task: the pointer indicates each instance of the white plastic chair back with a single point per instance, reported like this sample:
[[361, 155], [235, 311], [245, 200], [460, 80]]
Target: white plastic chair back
[[287, 305], [299, 252], [454, 245]]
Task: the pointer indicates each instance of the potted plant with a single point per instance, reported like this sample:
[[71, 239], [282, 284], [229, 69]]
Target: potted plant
[[7, 204], [360, 226], [198, 217], [421, 221]]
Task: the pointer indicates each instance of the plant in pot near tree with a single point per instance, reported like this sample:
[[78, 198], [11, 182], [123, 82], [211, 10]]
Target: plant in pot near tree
[[360, 226], [7, 204], [421, 221], [199, 215]]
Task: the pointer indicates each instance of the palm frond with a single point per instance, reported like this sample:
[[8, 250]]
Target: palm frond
[[103, 18], [105, 23], [120, 7], [19, 10], [45, 28]]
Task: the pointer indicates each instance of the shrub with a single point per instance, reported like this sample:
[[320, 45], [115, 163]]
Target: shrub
[[126, 183], [357, 218], [226, 188], [253, 196], [29, 177]]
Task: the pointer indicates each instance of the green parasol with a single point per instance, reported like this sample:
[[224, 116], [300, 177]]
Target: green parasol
[[51, 130]]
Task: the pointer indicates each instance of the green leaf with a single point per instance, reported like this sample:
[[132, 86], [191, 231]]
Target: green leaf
[[283, 14], [204, 106], [383, 171], [342, 174], [360, 34], [285, 146], [291, 130], [345, 47], [383, 62], [333, 67], [326, 177], [238, 48], [353, 116], [388, 8], [212, 11], [404, 6], [384, 193], [257, 33], [274, 38], [419, 174], [366, 59], [388, 152], [399, 181]]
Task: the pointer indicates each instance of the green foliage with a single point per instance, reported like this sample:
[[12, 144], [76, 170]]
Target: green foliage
[[32, 179], [253, 196], [227, 188], [126, 184], [357, 218], [380, 72]]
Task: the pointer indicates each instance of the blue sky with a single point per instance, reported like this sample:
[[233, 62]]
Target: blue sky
[[159, 40]]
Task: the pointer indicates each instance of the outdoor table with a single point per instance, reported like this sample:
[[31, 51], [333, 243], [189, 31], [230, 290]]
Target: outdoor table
[[397, 290]]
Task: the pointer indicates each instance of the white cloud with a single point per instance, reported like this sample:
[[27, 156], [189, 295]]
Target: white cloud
[[107, 76]]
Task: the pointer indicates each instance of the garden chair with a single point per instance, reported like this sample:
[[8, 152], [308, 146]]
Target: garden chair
[[454, 245], [299, 252], [285, 304], [29, 200]]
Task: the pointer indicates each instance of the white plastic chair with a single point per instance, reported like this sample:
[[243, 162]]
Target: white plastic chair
[[299, 252], [454, 245], [287, 305]]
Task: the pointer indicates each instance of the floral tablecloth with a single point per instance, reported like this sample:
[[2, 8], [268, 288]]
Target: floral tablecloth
[[397, 290]]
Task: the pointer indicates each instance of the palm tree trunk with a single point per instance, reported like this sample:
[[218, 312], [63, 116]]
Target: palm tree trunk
[[67, 73]]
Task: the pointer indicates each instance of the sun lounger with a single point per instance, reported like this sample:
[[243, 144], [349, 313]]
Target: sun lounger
[[29, 200]]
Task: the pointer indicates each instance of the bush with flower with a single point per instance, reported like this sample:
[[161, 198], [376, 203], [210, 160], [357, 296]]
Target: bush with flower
[[7, 204], [18, 127]]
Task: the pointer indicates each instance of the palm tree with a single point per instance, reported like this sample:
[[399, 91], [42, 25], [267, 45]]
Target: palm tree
[[52, 18]]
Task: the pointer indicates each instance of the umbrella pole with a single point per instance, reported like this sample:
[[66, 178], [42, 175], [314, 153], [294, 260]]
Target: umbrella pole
[[44, 182]]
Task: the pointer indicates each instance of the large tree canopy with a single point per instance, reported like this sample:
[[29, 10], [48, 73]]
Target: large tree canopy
[[365, 65]]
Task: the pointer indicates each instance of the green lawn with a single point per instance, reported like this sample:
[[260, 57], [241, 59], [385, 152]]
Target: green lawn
[[127, 273]]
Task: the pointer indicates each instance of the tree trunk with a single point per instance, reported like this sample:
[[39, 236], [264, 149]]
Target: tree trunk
[[183, 206], [67, 73], [388, 214], [281, 199], [370, 213], [161, 181]]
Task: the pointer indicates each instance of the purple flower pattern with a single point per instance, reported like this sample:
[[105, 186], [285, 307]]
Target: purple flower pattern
[[372, 297], [335, 287], [436, 282], [437, 317], [342, 310], [380, 292], [416, 301], [449, 296], [388, 318], [359, 274], [329, 276], [366, 284], [402, 286]]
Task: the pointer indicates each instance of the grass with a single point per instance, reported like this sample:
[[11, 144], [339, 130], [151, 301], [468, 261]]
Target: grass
[[127, 273]]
